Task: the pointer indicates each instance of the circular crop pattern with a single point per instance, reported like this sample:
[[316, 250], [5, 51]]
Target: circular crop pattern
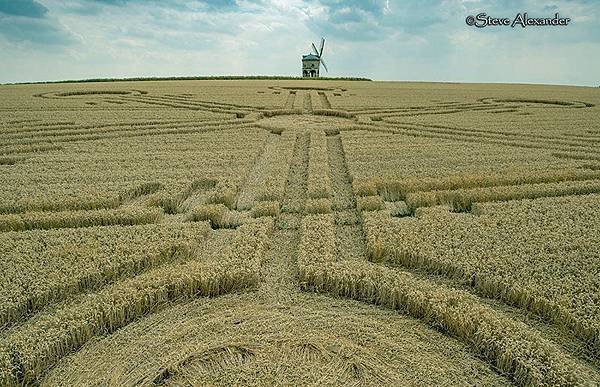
[[306, 88], [279, 123], [238, 339], [538, 102], [89, 93]]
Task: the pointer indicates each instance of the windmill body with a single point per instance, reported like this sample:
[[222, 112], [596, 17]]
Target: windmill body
[[310, 66], [312, 62]]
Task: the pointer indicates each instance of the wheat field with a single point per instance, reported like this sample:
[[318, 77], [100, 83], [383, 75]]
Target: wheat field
[[281, 232]]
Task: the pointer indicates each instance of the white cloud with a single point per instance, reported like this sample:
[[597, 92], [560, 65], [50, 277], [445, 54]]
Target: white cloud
[[382, 39]]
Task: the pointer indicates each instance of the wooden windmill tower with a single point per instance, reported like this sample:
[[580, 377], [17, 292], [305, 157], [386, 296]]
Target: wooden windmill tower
[[312, 62]]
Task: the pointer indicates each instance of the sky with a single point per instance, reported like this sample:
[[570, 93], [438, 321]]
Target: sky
[[406, 40]]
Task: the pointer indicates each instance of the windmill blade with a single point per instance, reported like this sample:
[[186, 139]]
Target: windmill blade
[[324, 65], [315, 49], [321, 47]]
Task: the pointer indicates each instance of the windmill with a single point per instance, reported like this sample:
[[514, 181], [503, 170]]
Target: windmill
[[312, 62]]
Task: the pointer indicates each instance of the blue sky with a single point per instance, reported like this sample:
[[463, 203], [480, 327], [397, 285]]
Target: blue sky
[[426, 40]]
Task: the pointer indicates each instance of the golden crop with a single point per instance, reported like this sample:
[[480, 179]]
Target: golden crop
[[467, 213], [540, 255]]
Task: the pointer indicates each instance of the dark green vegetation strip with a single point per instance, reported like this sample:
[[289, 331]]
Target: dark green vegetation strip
[[199, 78]]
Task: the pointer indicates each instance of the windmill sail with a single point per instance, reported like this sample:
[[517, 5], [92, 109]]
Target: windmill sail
[[311, 69], [315, 49]]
